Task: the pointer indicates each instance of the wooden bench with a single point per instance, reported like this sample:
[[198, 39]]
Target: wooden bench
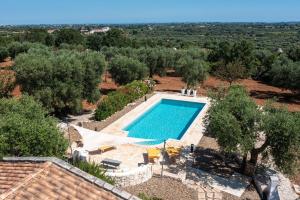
[[111, 163]]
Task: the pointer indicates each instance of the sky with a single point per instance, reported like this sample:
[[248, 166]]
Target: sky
[[146, 11]]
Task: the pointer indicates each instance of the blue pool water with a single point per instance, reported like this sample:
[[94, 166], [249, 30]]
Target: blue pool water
[[168, 119]]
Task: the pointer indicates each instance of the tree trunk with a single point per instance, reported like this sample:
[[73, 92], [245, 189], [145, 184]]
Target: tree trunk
[[248, 168], [151, 74], [255, 152], [244, 162], [254, 156]]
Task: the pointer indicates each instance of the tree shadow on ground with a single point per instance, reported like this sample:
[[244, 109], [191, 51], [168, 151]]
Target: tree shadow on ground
[[215, 162], [283, 97], [105, 91]]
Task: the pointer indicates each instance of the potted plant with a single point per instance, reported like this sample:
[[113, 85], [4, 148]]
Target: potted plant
[[183, 91], [188, 92]]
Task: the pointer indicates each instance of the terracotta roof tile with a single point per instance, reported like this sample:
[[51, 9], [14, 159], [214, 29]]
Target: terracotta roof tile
[[47, 180]]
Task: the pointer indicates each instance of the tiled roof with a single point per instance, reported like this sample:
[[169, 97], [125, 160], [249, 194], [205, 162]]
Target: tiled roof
[[51, 178]]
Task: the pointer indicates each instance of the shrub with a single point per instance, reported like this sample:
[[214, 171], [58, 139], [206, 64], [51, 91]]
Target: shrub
[[116, 101], [93, 169], [27, 130], [135, 90]]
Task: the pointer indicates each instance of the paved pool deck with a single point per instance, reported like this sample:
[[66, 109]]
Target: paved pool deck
[[193, 134]]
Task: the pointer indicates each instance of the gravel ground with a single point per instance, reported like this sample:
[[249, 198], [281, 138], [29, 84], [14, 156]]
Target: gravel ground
[[249, 194], [164, 188]]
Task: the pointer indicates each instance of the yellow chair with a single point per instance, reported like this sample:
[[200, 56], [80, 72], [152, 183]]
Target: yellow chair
[[153, 153], [106, 148]]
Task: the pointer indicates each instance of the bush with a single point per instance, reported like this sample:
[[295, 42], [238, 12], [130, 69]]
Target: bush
[[27, 130], [116, 101], [93, 169], [135, 90], [3, 53]]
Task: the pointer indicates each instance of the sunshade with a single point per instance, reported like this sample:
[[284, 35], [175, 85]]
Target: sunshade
[[92, 140]]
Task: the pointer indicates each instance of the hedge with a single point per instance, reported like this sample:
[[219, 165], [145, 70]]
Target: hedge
[[116, 101]]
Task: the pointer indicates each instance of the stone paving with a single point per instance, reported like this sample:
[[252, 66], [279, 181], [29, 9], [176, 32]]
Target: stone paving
[[208, 186], [205, 192]]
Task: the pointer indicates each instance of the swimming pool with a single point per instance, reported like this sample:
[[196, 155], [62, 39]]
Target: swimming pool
[[167, 119]]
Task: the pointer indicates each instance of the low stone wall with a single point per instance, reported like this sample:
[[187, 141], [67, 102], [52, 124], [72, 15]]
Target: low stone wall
[[133, 177]]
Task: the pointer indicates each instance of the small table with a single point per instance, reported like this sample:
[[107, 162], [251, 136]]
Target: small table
[[111, 163]]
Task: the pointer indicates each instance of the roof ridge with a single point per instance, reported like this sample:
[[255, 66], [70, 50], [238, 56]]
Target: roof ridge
[[25, 180]]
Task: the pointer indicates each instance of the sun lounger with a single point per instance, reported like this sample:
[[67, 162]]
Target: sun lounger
[[106, 148], [111, 163], [173, 152], [153, 153]]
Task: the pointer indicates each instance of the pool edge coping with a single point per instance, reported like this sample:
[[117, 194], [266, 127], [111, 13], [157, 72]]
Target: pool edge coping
[[189, 136]]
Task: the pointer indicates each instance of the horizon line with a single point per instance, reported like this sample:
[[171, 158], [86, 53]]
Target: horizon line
[[141, 23]]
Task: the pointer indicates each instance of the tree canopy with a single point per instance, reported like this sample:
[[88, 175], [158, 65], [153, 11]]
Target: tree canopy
[[193, 72], [60, 79], [238, 123], [285, 73], [125, 70], [3, 53], [27, 130], [68, 36], [231, 72]]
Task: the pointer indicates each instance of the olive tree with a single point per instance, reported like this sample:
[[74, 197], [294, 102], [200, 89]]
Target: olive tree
[[193, 72], [3, 53], [26, 129], [238, 123], [231, 72], [286, 74], [60, 79], [125, 70], [68, 36]]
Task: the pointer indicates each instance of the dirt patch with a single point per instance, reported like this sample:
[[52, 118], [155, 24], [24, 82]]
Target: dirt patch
[[7, 63], [164, 188], [107, 85]]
